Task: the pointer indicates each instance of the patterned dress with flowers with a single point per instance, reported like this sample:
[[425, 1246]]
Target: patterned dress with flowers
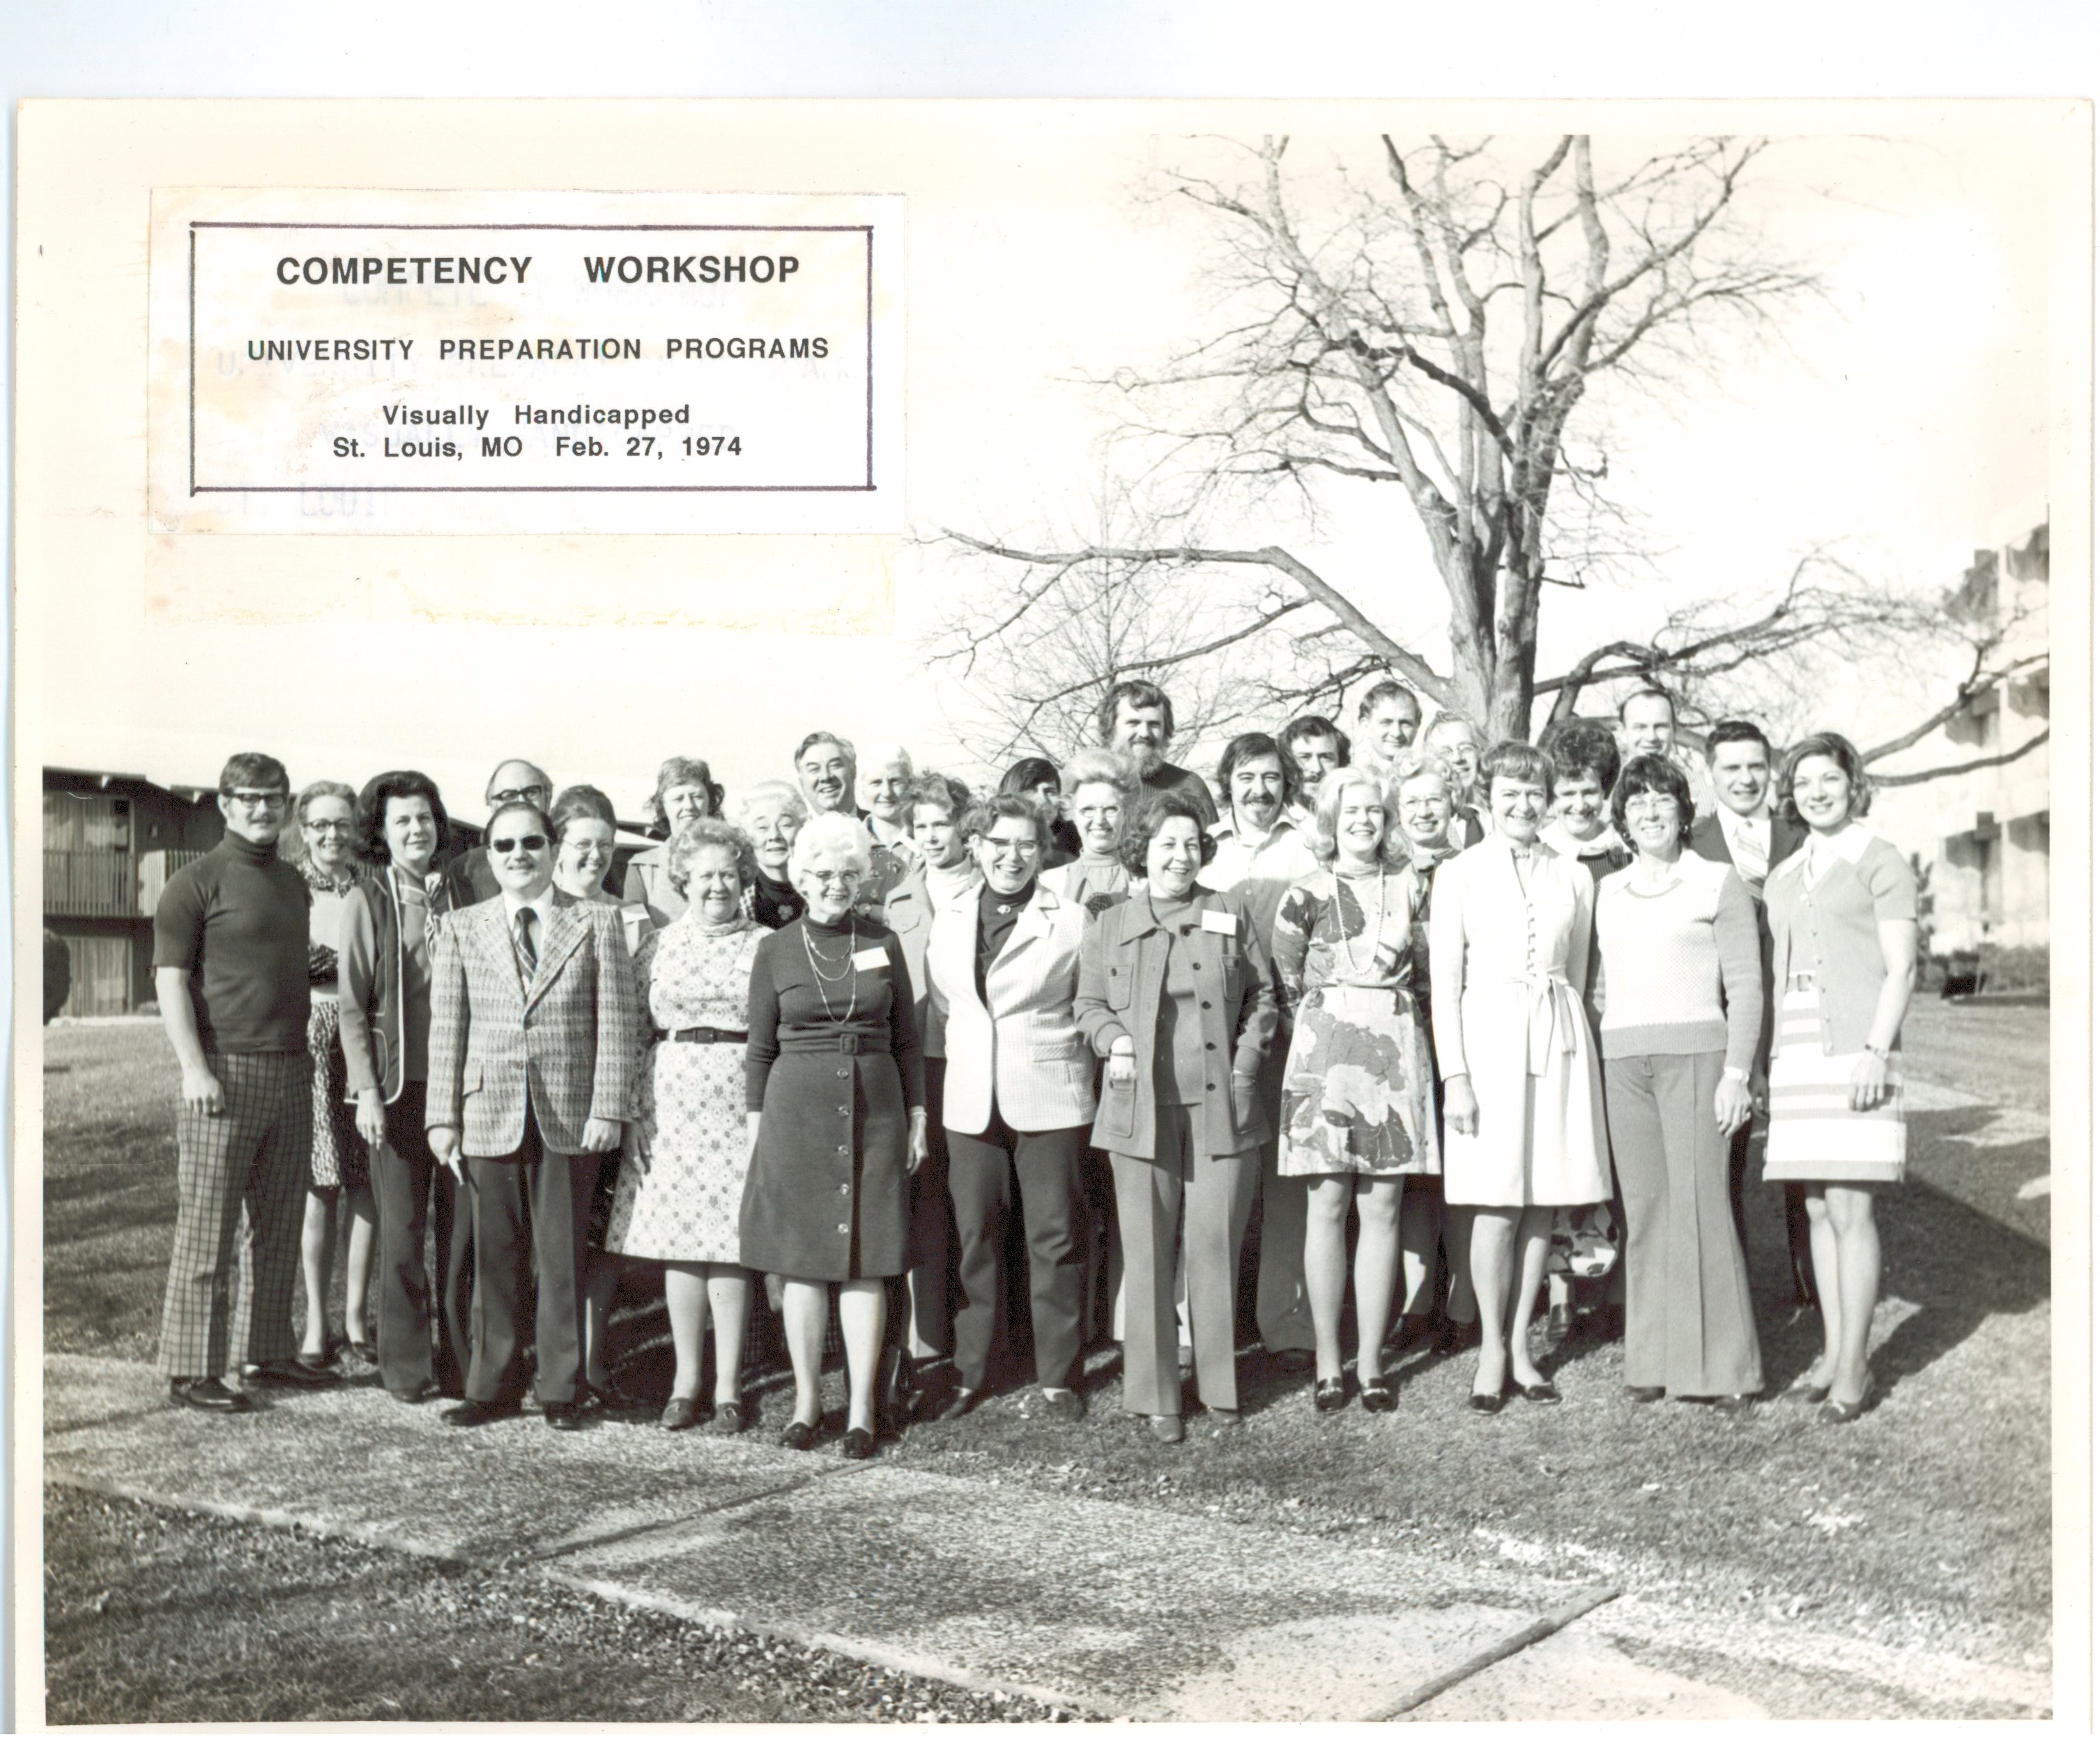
[[1358, 1094], [680, 1202]]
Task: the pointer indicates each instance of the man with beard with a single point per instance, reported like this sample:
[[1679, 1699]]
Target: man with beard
[[1138, 718]]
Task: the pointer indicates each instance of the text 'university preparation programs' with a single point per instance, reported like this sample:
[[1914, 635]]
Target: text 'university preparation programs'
[[414, 363]]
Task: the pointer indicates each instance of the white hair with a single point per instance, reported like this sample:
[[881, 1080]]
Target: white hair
[[828, 837], [773, 793], [882, 754]]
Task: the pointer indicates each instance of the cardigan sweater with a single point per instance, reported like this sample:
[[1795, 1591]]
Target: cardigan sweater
[[1832, 930], [1681, 975]]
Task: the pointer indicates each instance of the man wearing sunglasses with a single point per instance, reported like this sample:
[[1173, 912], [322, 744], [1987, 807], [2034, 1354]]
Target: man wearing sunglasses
[[533, 1037], [230, 967], [470, 875]]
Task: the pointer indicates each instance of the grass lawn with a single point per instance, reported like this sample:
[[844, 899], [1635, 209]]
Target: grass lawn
[[1927, 1522]]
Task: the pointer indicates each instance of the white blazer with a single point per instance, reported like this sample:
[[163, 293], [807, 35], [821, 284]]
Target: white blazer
[[1024, 1051]]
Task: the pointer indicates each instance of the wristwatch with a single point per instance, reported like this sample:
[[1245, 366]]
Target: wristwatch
[[1879, 1052]]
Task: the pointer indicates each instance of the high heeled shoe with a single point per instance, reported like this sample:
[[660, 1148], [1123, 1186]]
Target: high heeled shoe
[[799, 1436], [1331, 1394], [1846, 1411], [1381, 1393]]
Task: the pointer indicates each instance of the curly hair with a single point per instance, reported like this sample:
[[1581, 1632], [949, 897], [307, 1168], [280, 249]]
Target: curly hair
[[694, 836], [1419, 763], [371, 812], [1651, 773], [1327, 813], [1584, 745], [832, 835], [770, 793], [936, 790], [1006, 805], [1826, 744], [1142, 827], [1101, 766], [1140, 694], [1255, 745]]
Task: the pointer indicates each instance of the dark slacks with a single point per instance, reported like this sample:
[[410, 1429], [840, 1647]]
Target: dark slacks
[[413, 1193], [1689, 1325], [556, 1189], [255, 1153], [921, 1325], [1795, 1196], [985, 1172], [1204, 1203]]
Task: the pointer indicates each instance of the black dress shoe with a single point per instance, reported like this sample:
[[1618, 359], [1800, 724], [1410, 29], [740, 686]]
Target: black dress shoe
[[799, 1436], [1489, 1403], [414, 1396], [1381, 1393], [1646, 1396], [563, 1414], [959, 1405], [1540, 1393], [1734, 1405], [859, 1444], [295, 1371], [471, 1413], [207, 1393], [729, 1418], [1331, 1394]]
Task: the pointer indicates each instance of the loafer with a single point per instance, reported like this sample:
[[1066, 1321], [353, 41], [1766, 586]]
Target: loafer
[[1331, 1394], [1063, 1404], [471, 1413], [1294, 1359], [563, 1414], [1646, 1396], [1166, 1427], [296, 1372], [1734, 1405], [959, 1405], [612, 1397], [681, 1414], [799, 1436], [1489, 1403], [859, 1444], [729, 1418], [1224, 1419], [1381, 1393], [413, 1395], [1540, 1393], [207, 1393]]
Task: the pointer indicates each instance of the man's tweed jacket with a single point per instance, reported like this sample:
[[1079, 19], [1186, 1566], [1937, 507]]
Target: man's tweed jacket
[[571, 1038]]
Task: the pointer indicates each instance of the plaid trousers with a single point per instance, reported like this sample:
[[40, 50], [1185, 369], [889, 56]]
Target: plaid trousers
[[255, 1153]]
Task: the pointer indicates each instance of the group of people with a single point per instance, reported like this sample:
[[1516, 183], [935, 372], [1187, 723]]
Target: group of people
[[1511, 1007]]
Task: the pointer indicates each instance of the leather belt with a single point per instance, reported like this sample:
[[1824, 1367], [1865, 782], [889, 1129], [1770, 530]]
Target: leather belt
[[828, 1043], [702, 1035]]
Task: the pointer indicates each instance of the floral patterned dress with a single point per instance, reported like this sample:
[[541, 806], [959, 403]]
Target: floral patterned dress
[[683, 1206], [1357, 1085]]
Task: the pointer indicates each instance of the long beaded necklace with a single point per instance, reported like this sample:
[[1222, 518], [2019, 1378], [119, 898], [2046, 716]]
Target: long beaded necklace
[[816, 966], [1375, 930]]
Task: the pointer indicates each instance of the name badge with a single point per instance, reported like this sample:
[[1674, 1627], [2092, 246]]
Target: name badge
[[1220, 923], [870, 958]]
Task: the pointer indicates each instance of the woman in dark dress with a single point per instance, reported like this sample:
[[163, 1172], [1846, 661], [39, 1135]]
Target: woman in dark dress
[[835, 1095]]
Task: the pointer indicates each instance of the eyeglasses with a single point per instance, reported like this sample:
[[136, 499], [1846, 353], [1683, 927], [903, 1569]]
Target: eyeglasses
[[328, 825], [270, 800], [836, 877], [532, 841], [523, 793]]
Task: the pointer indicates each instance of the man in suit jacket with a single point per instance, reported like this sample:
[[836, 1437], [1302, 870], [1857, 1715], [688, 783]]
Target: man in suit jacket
[[1742, 832], [470, 878], [534, 1036]]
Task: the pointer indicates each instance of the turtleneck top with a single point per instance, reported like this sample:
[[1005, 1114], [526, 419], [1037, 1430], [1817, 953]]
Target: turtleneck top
[[1177, 1055], [235, 921], [997, 913]]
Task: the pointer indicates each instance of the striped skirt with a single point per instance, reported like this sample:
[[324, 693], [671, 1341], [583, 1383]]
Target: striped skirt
[[1816, 1135]]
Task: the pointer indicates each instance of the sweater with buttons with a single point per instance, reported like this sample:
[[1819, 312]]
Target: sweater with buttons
[[1829, 928]]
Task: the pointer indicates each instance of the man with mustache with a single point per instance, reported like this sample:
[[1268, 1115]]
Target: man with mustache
[[1138, 718]]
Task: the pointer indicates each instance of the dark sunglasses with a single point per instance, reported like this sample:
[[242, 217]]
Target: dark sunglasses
[[530, 841]]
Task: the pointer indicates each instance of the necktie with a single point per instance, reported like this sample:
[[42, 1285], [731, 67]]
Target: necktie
[[528, 954], [1752, 856]]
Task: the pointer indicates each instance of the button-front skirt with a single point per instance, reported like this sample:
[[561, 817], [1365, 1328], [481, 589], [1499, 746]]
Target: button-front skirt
[[826, 1197]]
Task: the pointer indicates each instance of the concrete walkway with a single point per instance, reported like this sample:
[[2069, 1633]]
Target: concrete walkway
[[1105, 1608]]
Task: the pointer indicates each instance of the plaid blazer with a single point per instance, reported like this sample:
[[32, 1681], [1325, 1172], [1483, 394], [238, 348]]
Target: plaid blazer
[[570, 1039]]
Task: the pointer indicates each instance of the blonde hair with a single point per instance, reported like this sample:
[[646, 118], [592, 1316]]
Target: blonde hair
[[1327, 807]]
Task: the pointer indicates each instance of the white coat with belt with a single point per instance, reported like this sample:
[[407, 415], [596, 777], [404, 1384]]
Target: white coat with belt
[[1018, 1047]]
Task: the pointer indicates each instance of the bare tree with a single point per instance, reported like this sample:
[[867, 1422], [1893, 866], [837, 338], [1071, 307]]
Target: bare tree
[[1438, 337]]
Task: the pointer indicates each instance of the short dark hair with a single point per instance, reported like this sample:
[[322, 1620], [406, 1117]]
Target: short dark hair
[[1583, 745], [1735, 729], [1007, 805], [837, 741], [371, 803], [1255, 745], [1305, 728], [1388, 689], [1139, 694], [1651, 691], [1026, 773], [1828, 745], [1646, 773], [1162, 806], [937, 790], [1517, 760], [519, 807], [253, 771], [578, 802]]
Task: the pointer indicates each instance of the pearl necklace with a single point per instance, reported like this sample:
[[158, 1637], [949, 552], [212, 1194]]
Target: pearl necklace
[[1375, 930]]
